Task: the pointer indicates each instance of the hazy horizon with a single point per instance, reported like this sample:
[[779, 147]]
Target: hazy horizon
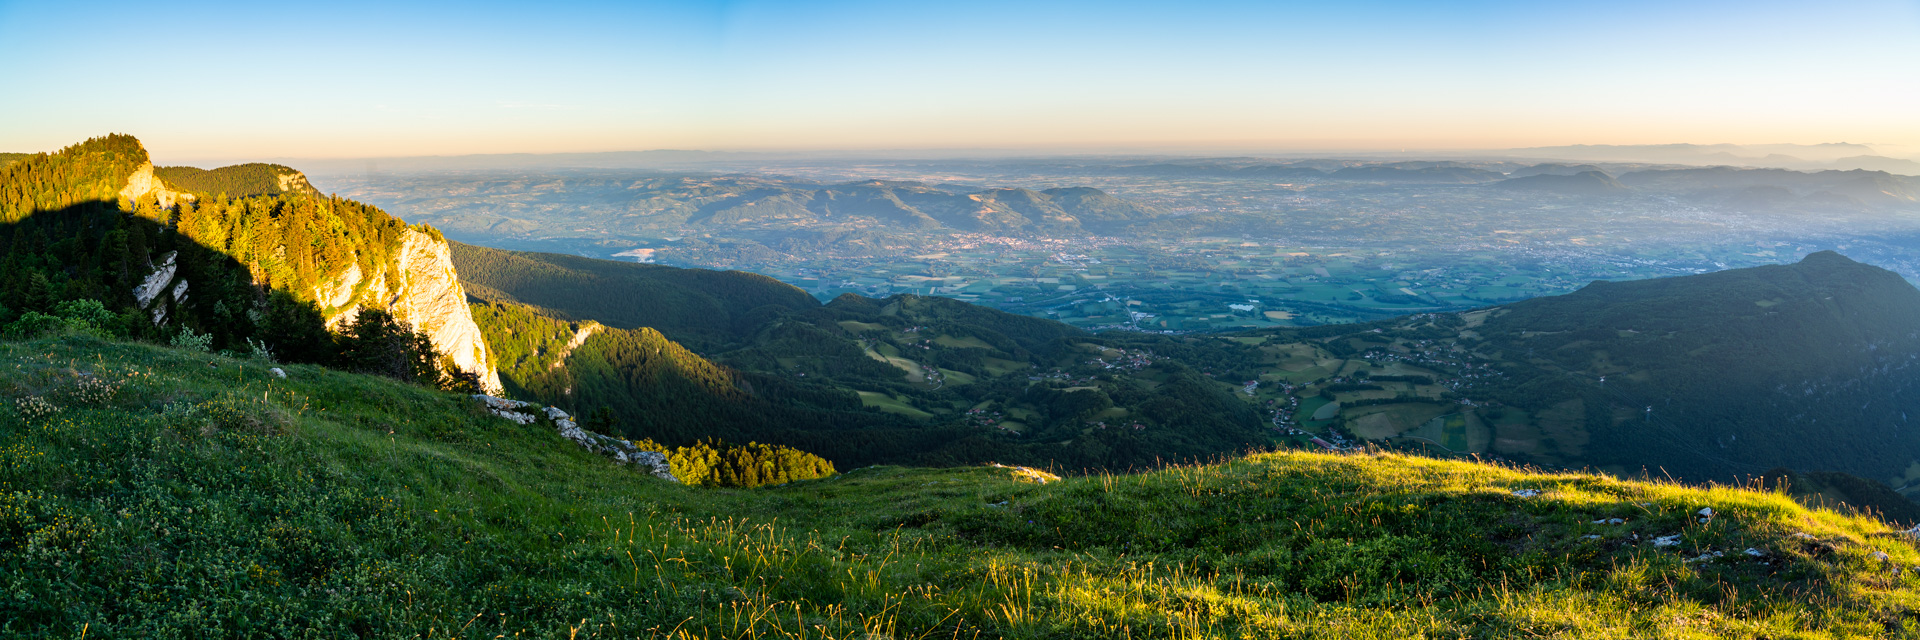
[[383, 80]]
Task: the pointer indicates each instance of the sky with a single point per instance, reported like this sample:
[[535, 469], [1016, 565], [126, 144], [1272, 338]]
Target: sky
[[373, 79]]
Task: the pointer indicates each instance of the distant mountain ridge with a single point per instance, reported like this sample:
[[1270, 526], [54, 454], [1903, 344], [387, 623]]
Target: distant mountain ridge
[[1700, 153], [238, 181], [740, 201], [1739, 370], [1586, 183]]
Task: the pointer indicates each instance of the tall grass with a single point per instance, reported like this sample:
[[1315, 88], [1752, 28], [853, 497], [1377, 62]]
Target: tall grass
[[202, 498]]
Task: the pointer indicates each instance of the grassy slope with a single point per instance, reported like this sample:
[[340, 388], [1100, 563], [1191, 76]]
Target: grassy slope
[[210, 501]]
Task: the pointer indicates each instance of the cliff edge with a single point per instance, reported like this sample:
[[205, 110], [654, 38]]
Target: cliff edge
[[421, 288]]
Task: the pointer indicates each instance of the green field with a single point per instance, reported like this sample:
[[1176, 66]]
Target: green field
[[891, 404]]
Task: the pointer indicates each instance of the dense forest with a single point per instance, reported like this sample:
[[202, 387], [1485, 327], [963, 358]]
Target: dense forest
[[88, 175], [710, 463], [656, 389], [240, 180]]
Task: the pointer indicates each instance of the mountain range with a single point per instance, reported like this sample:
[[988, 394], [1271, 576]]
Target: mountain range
[[680, 355], [184, 457]]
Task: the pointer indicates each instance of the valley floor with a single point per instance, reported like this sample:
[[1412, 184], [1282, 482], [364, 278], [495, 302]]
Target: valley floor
[[154, 492]]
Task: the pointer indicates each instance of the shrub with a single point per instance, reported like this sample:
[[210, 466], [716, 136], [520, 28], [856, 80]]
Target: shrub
[[257, 350], [191, 341], [33, 324], [714, 463], [84, 314]]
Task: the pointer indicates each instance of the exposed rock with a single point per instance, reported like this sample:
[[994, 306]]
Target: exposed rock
[[278, 372], [419, 288], [1704, 557], [143, 182], [430, 297], [579, 337], [1526, 493], [621, 451], [156, 282], [147, 295], [339, 292], [295, 181]]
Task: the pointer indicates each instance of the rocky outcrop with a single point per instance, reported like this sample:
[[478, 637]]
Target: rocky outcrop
[[143, 182], [338, 292], [621, 451], [579, 338], [419, 288], [295, 181], [148, 294]]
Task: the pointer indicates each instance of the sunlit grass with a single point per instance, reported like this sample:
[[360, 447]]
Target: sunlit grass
[[215, 501]]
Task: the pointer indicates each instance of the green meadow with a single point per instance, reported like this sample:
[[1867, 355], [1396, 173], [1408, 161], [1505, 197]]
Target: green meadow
[[159, 493]]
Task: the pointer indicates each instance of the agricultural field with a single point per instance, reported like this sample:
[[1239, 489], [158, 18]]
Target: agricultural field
[[1202, 284]]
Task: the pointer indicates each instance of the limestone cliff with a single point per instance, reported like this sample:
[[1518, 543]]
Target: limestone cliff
[[143, 182], [419, 287], [416, 281]]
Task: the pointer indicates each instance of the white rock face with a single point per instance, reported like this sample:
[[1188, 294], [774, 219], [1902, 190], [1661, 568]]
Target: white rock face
[[143, 182], [338, 292], [422, 290], [294, 182], [430, 297], [156, 282], [579, 338]]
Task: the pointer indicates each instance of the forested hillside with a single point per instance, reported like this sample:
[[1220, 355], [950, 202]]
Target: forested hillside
[[238, 181], [695, 306], [906, 379], [1809, 365], [90, 174], [1721, 376], [92, 222]]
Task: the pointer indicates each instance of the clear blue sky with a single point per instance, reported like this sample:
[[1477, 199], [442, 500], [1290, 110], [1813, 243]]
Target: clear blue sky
[[239, 79]]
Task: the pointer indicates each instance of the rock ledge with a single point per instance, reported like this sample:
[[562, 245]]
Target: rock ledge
[[621, 451]]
